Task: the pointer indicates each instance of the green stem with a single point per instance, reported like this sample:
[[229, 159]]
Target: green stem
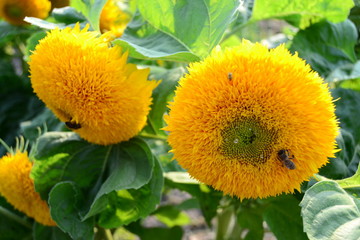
[[227, 227], [152, 136], [319, 178], [15, 217], [103, 234]]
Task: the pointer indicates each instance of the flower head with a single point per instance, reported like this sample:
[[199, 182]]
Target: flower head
[[89, 85], [113, 18], [252, 122], [18, 188], [14, 11]]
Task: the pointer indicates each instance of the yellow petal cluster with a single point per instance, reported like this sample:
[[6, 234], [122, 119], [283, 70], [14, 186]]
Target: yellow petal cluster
[[18, 188], [90, 86], [14, 11], [113, 18], [252, 122]]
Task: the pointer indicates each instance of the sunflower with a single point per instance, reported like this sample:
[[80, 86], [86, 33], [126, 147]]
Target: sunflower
[[14, 11], [252, 122], [18, 189], [89, 85], [113, 17]]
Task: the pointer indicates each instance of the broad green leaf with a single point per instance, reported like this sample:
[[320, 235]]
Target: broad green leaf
[[330, 213], [199, 25], [348, 110], [345, 72], [96, 170], [171, 216], [302, 13], [180, 177], [8, 32], [143, 41], [161, 97], [250, 219], [91, 9], [282, 214], [44, 24], [41, 232], [65, 200], [327, 46], [126, 206], [346, 161], [67, 15], [130, 166]]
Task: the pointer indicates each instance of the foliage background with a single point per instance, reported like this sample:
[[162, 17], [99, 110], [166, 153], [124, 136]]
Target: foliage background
[[114, 188]]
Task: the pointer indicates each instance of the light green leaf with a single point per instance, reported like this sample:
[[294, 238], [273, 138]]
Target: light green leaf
[[302, 13], [91, 9], [143, 41], [129, 205], [327, 46], [64, 201], [171, 216], [330, 213], [199, 25]]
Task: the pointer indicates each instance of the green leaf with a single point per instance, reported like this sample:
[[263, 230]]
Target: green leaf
[[91, 9], [327, 46], [41, 232], [9, 32], [252, 220], [43, 24], [330, 213], [345, 72], [67, 15], [143, 41], [200, 25], [131, 167], [96, 170], [302, 13], [351, 182], [64, 201], [126, 206], [161, 97], [282, 214], [32, 41], [171, 216], [348, 111]]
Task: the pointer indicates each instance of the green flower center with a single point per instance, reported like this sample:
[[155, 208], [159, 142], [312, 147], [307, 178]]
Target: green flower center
[[13, 11], [247, 141]]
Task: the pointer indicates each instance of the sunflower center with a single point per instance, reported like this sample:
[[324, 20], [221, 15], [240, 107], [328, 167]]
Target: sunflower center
[[13, 11], [247, 141]]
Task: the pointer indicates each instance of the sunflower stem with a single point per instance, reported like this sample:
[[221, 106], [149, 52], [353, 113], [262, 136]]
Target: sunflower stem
[[152, 136], [15, 217], [103, 234], [319, 178], [227, 227]]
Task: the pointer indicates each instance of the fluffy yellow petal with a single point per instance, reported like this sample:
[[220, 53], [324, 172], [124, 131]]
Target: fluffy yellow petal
[[18, 188], [113, 18], [89, 85], [243, 118]]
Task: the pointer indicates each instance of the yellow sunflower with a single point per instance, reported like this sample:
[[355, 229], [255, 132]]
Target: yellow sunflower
[[89, 85], [113, 17], [252, 122], [14, 11], [18, 189]]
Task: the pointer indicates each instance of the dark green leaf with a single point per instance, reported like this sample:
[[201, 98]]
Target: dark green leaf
[[330, 213], [327, 46], [302, 13], [41, 232], [32, 41], [91, 9], [282, 214], [126, 206], [174, 233], [9, 32], [161, 97], [65, 200], [250, 219], [200, 25], [67, 15], [348, 111]]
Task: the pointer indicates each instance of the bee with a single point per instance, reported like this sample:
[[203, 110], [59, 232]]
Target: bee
[[73, 125], [230, 76], [285, 157]]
